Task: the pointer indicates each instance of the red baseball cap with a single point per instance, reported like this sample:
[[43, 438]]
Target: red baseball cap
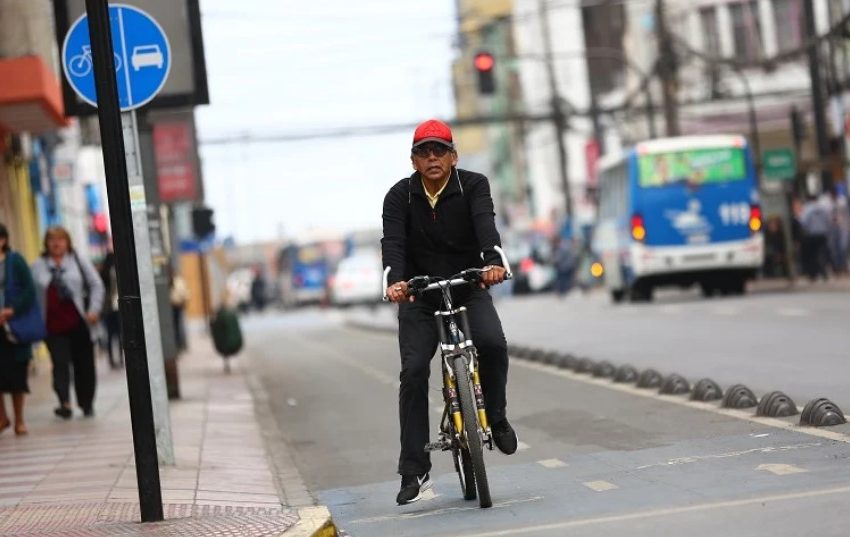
[[433, 130]]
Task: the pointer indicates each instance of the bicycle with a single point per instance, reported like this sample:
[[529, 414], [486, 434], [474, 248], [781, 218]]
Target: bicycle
[[464, 429], [81, 64]]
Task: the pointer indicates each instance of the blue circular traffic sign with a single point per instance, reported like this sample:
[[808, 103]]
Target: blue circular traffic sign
[[142, 57]]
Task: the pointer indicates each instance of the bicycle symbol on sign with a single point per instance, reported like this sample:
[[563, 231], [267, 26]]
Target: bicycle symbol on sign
[[81, 64]]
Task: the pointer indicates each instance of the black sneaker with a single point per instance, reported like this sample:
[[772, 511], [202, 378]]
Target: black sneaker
[[505, 437], [63, 412], [412, 487]]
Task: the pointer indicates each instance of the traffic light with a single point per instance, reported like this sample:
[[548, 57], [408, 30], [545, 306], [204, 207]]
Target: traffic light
[[484, 63], [202, 222]]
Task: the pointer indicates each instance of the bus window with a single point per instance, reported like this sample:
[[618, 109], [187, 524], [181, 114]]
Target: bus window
[[694, 166]]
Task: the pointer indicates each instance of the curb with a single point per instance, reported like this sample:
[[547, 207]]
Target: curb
[[314, 522]]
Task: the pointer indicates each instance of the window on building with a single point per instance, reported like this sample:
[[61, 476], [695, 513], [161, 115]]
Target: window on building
[[789, 23], [710, 33], [746, 30], [838, 9]]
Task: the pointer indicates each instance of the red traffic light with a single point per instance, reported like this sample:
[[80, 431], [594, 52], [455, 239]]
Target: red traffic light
[[484, 61]]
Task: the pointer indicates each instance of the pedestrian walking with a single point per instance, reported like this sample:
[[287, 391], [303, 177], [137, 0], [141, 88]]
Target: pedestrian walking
[[110, 314], [839, 233], [178, 295], [17, 299], [816, 221], [565, 260], [71, 295]]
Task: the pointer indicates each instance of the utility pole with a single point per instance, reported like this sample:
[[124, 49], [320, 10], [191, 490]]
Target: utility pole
[[559, 120], [667, 70], [817, 98]]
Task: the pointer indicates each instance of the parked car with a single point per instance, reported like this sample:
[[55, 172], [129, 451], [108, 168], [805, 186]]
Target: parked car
[[357, 280]]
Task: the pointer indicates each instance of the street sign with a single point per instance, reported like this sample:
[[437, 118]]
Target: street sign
[[779, 164], [142, 57]]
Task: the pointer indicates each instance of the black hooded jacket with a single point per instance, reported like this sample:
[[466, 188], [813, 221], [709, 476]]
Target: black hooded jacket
[[444, 240]]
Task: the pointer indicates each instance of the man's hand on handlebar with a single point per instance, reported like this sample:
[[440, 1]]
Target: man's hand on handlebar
[[492, 275], [397, 293]]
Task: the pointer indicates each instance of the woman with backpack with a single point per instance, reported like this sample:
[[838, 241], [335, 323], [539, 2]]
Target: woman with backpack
[[70, 293], [17, 298]]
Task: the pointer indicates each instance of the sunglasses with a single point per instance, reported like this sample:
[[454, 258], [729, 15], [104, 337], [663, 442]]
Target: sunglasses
[[439, 150]]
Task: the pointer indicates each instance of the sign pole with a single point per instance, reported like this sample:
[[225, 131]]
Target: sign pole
[[130, 302], [150, 308]]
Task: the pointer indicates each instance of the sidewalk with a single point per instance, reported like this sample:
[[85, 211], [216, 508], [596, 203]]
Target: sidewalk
[[78, 477]]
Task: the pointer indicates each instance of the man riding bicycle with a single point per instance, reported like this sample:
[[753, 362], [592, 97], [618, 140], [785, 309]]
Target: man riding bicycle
[[440, 221]]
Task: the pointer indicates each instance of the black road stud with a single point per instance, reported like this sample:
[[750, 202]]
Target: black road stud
[[585, 365], [626, 373], [739, 396], [650, 378], [822, 413], [776, 405], [707, 390], [604, 369], [675, 385], [566, 361]]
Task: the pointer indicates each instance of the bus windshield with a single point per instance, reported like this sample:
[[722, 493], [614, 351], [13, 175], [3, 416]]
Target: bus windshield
[[692, 166]]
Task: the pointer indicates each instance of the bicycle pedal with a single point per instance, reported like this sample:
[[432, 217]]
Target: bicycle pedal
[[441, 445]]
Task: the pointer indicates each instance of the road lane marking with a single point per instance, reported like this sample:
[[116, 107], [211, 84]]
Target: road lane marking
[[443, 511], [552, 463], [780, 469], [696, 458], [671, 511], [682, 401], [600, 486]]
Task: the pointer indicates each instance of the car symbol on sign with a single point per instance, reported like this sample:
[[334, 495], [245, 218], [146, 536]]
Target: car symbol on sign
[[147, 56]]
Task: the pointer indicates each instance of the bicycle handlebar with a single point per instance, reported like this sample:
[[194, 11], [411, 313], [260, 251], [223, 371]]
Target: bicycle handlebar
[[461, 278]]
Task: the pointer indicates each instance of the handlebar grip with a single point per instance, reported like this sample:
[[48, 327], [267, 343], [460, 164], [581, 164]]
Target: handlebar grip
[[386, 283], [508, 274]]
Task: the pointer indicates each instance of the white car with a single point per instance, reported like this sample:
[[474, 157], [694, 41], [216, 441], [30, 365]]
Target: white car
[[147, 56], [358, 280]]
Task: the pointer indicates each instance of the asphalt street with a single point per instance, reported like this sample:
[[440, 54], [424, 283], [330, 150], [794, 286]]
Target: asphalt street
[[594, 460], [795, 342]]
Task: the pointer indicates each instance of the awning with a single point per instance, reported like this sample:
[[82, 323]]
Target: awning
[[30, 96]]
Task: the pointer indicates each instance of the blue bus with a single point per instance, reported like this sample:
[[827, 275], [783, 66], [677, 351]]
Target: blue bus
[[679, 211], [303, 271]]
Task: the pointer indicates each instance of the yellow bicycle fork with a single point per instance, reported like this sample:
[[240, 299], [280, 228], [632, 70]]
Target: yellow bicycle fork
[[454, 405]]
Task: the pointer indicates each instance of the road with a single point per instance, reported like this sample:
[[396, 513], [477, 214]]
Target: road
[[594, 460], [794, 342]]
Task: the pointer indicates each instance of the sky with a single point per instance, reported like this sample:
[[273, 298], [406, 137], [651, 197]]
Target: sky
[[279, 66]]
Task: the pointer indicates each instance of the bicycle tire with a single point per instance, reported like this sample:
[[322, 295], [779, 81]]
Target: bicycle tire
[[463, 467], [470, 424]]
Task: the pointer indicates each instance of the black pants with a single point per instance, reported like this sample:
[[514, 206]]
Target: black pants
[[815, 256], [74, 349], [418, 339], [112, 323]]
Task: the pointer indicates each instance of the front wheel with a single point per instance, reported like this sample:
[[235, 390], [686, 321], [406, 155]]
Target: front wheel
[[471, 430], [463, 466]]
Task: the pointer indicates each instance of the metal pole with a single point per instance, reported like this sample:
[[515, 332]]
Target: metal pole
[[558, 118], [817, 97], [130, 303], [667, 70]]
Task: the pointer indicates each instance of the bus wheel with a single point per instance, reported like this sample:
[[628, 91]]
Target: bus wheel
[[708, 289], [617, 295], [641, 293]]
